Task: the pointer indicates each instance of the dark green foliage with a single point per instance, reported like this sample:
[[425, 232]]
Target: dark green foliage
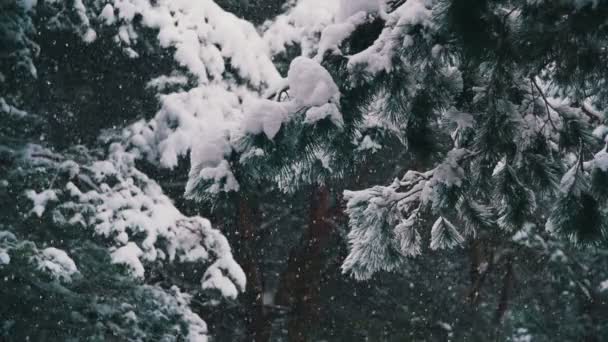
[[476, 217], [575, 133], [577, 214], [497, 134], [599, 184], [539, 168], [100, 302], [81, 90], [95, 304], [570, 37], [363, 36], [255, 11], [514, 201], [471, 22], [579, 218], [445, 197], [75, 91], [17, 49]]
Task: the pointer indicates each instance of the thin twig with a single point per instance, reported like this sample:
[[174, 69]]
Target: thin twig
[[547, 105], [580, 155]]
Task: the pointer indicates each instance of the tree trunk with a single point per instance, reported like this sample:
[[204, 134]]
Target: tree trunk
[[594, 310], [481, 264], [300, 283], [508, 282], [258, 324]]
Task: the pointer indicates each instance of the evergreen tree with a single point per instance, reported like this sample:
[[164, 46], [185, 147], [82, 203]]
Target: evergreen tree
[[515, 120], [400, 142], [91, 247]]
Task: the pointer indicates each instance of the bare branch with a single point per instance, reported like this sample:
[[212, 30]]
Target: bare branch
[[547, 104]]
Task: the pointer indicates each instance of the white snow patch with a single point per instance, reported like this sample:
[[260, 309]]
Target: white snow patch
[[41, 199], [208, 163], [444, 235], [266, 116], [89, 36], [461, 119], [28, 4], [103, 169], [499, 166], [601, 160], [5, 107], [223, 276], [328, 110], [5, 259], [130, 316], [600, 132], [58, 263], [129, 255], [333, 35], [6, 235], [311, 84], [450, 172], [107, 15], [221, 172], [203, 34], [163, 82], [378, 57], [301, 25], [368, 144], [349, 8], [568, 180]]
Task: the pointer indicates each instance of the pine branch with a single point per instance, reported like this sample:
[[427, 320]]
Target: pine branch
[[394, 4], [591, 113], [585, 108], [547, 104]]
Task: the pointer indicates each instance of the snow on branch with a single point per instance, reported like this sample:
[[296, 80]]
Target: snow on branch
[[379, 56], [129, 210], [386, 221]]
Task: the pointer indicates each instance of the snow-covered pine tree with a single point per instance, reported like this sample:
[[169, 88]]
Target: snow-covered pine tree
[[522, 112], [297, 138], [490, 105], [91, 247], [512, 110]]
